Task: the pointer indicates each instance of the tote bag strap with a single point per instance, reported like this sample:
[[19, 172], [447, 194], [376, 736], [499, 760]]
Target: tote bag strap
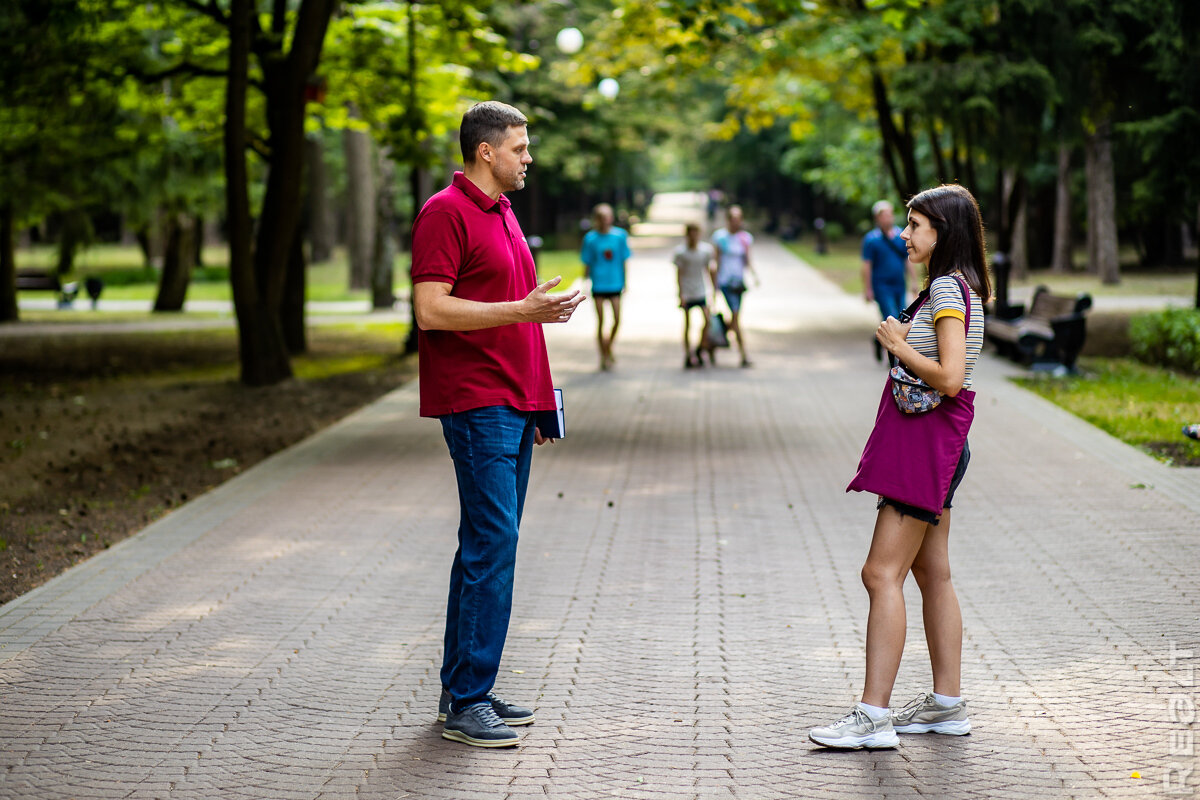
[[916, 304]]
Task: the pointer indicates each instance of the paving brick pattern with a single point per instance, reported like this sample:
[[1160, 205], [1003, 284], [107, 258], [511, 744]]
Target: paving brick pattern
[[688, 601]]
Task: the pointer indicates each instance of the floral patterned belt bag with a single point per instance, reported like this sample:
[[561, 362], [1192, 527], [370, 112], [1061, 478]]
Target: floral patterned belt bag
[[911, 456]]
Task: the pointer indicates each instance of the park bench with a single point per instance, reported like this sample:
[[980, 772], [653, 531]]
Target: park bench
[[41, 280], [1048, 336]]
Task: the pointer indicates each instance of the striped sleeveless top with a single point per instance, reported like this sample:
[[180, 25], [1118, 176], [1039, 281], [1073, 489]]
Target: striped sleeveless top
[[946, 300]]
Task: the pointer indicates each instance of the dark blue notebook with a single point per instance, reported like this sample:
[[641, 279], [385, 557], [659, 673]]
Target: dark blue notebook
[[552, 424]]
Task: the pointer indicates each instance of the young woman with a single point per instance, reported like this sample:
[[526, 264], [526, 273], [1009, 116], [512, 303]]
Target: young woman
[[733, 244], [945, 233]]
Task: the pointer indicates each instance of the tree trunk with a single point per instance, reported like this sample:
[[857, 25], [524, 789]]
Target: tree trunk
[[72, 234], [284, 82], [295, 334], [939, 157], [1020, 237], [420, 185], [8, 266], [1061, 260], [146, 244], [383, 259], [1102, 206], [260, 346], [320, 208], [360, 191], [198, 240], [1012, 238], [177, 262]]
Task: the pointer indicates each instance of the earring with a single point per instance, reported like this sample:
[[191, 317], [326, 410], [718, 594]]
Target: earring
[[932, 246]]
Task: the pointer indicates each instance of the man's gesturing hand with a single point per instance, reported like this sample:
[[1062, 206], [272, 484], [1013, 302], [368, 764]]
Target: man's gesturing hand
[[541, 306]]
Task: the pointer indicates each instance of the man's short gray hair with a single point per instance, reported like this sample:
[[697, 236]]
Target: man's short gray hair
[[879, 207]]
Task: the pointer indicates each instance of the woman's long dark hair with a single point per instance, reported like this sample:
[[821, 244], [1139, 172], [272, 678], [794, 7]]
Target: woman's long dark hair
[[954, 214]]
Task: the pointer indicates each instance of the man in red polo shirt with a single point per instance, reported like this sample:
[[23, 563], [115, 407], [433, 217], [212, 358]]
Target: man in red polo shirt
[[484, 374]]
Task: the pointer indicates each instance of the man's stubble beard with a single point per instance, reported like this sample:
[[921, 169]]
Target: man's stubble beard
[[510, 181]]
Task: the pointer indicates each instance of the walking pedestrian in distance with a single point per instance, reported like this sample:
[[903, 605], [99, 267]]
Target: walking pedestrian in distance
[[733, 244], [484, 373], [695, 264], [885, 266], [945, 233], [604, 253]]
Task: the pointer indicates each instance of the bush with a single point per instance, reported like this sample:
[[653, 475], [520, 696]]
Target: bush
[[1168, 338]]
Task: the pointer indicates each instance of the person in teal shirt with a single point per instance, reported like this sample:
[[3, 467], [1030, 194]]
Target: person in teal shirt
[[604, 253]]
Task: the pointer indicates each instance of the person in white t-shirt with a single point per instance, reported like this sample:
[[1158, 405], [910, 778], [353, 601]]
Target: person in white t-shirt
[[695, 262]]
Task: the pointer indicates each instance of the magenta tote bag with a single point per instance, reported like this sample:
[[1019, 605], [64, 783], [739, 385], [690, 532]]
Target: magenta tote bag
[[911, 458]]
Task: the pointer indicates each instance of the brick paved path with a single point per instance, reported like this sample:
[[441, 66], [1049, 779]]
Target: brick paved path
[[688, 601]]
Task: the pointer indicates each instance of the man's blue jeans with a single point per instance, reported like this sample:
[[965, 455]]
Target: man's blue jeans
[[890, 298], [492, 449]]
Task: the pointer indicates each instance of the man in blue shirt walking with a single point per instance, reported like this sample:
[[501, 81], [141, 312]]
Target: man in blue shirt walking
[[885, 266]]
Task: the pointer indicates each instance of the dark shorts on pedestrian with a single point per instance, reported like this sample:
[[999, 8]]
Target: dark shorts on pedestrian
[[606, 295], [688, 305], [928, 516]]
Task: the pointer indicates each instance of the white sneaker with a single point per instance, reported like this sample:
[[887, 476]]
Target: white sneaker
[[857, 730], [926, 715]]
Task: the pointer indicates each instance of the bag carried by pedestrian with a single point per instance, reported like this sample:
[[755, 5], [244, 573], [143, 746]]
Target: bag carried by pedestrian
[[911, 457], [718, 331]]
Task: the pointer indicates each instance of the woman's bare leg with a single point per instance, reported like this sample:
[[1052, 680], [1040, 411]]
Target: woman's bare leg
[[939, 608], [895, 544], [735, 325]]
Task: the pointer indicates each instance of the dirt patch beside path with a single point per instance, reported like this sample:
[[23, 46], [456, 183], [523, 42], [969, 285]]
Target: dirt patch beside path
[[101, 435]]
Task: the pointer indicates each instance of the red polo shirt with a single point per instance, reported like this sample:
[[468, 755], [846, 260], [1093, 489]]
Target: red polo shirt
[[466, 239]]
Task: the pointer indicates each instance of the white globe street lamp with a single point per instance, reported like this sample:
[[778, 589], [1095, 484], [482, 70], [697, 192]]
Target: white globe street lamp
[[609, 88], [569, 40]]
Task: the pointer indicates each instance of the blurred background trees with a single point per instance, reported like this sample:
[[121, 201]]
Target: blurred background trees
[[287, 129]]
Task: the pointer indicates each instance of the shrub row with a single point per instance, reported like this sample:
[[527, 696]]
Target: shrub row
[[1168, 338]]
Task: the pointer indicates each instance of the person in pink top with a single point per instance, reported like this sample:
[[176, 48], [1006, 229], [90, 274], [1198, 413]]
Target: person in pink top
[[484, 373]]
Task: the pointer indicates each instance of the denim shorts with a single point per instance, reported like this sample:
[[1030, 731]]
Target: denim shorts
[[733, 296], [928, 516]]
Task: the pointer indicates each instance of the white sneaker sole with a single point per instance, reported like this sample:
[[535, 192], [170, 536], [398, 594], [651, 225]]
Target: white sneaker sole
[[958, 727], [459, 736], [516, 721], [872, 742]]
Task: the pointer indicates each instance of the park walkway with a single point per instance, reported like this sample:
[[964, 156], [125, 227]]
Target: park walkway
[[688, 601]]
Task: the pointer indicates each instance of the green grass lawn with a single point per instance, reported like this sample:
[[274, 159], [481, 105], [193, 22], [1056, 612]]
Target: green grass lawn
[[1155, 284], [1142, 405], [842, 264], [560, 262], [126, 278]]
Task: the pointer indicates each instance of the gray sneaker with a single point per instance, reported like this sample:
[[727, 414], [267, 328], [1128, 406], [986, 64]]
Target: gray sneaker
[[926, 715], [856, 730], [508, 713], [478, 726]]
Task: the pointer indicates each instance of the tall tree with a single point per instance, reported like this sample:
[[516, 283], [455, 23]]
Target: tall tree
[[56, 121]]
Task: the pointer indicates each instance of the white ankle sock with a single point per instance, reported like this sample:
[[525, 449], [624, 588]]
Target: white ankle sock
[[874, 712], [943, 700]]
